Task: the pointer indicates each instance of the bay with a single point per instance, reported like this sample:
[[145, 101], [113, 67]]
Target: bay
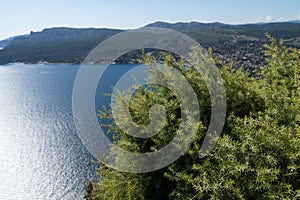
[[41, 155]]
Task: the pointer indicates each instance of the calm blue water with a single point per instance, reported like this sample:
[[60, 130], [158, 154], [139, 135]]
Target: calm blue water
[[41, 155]]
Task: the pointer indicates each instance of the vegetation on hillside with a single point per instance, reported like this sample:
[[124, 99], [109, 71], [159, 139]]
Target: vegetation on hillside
[[240, 44], [257, 155]]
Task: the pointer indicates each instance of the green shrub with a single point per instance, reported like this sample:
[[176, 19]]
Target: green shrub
[[257, 156]]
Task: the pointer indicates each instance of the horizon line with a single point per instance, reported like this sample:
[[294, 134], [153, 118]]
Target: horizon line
[[168, 22]]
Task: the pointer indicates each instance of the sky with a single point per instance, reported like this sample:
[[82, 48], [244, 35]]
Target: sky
[[19, 17]]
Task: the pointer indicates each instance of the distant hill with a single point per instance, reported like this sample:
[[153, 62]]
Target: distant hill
[[190, 26], [295, 21], [56, 45], [212, 32], [71, 45], [4, 43]]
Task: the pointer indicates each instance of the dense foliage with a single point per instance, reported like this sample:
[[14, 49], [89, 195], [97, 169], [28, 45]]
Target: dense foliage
[[257, 156]]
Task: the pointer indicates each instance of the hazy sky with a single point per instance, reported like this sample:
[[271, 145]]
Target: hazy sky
[[22, 16]]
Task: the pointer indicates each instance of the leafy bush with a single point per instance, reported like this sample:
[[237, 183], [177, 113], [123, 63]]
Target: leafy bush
[[257, 156]]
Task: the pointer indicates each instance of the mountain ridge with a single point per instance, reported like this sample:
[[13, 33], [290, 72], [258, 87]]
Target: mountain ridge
[[71, 45]]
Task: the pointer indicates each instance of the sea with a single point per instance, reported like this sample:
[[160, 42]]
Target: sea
[[41, 154]]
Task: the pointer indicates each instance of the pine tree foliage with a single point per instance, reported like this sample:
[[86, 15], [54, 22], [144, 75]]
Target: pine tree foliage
[[257, 155]]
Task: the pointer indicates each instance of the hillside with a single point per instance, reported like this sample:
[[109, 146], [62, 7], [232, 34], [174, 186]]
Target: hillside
[[55, 45], [4, 43], [241, 44]]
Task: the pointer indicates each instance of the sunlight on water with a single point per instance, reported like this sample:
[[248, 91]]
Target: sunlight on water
[[41, 155]]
